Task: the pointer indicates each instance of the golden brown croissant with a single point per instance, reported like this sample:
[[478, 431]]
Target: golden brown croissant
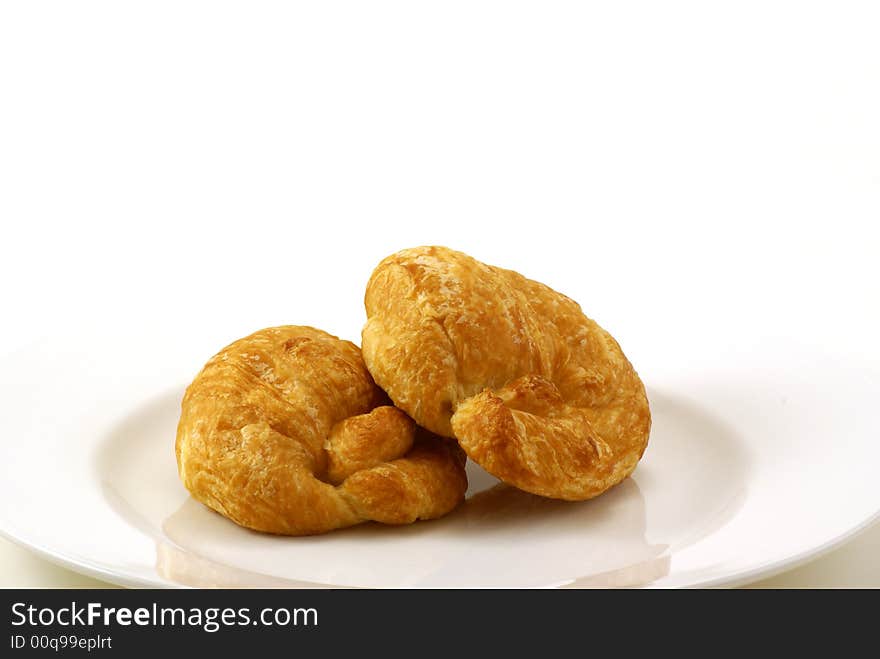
[[535, 392], [285, 431]]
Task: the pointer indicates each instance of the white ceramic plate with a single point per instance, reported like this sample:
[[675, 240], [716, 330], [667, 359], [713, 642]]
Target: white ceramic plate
[[754, 465]]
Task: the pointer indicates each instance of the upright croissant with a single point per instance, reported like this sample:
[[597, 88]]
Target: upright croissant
[[534, 391], [285, 431]]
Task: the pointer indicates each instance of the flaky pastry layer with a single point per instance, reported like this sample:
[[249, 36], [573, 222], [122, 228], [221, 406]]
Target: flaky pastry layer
[[285, 431]]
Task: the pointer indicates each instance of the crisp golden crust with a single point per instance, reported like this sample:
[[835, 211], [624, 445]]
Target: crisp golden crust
[[285, 431], [534, 391]]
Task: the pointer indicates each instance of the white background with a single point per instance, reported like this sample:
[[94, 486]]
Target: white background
[[219, 167]]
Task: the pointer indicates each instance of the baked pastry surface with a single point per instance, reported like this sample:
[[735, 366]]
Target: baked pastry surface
[[534, 391], [285, 431]]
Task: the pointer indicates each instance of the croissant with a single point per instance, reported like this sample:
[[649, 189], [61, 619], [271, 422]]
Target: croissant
[[285, 431], [534, 391]]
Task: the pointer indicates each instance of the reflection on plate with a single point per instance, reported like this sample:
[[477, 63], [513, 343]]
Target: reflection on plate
[[500, 537]]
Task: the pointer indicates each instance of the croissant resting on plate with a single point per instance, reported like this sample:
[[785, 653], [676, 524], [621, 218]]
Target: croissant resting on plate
[[535, 392], [285, 431]]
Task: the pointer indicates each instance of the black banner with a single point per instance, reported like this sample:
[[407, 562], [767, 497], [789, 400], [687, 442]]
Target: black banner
[[414, 622]]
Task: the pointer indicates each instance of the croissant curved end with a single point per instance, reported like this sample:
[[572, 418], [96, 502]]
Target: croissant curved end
[[547, 448]]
